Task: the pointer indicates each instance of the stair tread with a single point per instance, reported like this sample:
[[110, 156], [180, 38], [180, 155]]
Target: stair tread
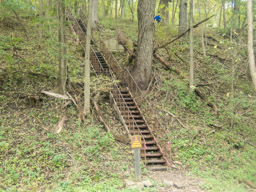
[[157, 168], [132, 112], [126, 102], [140, 126], [150, 148], [134, 116], [134, 120], [152, 155], [142, 131], [149, 142], [147, 136], [122, 94], [155, 161]]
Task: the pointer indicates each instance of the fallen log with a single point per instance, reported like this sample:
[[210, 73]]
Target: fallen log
[[166, 66], [18, 18], [60, 125], [248, 183], [56, 95], [96, 106], [184, 33]]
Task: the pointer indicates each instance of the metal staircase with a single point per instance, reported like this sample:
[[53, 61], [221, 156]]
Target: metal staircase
[[103, 62]]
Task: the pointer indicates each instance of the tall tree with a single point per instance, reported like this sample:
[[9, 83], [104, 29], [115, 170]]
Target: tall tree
[[163, 9], [143, 63], [250, 43], [87, 62], [183, 16], [41, 22], [191, 61], [95, 5], [131, 6], [122, 7], [201, 29], [116, 15], [62, 78], [116, 22], [224, 13], [174, 8]]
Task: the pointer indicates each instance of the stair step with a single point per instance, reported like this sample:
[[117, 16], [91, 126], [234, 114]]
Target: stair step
[[132, 107], [139, 126], [151, 155], [128, 99], [147, 136], [155, 161], [122, 94], [150, 148], [132, 116], [157, 168], [128, 103], [132, 112], [143, 126], [134, 120], [138, 132], [149, 142]]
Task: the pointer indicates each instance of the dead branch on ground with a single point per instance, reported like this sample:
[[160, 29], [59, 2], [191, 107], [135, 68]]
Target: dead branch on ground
[[97, 108], [248, 183], [24, 29], [60, 125], [176, 117], [181, 35], [56, 95]]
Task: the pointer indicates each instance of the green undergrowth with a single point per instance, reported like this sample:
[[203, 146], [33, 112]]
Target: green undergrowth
[[33, 157], [218, 146], [216, 143]]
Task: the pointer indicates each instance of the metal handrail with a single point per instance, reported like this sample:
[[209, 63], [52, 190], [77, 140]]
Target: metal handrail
[[116, 86], [91, 50], [129, 111], [134, 82]]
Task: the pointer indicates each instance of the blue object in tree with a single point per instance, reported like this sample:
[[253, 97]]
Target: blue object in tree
[[157, 18]]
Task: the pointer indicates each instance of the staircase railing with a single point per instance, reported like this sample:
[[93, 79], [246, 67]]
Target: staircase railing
[[127, 79], [95, 60]]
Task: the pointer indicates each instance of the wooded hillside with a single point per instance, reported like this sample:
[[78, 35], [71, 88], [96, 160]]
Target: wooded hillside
[[79, 79]]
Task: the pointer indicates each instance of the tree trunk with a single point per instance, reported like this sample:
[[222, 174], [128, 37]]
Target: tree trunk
[[131, 5], [174, 8], [183, 16], [62, 51], [220, 16], [95, 6], [205, 25], [201, 30], [122, 7], [116, 14], [103, 8], [107, 7], [224, 13], [250, 43], [41, 22], [143, 63], [87, 61], [164, 10], [116, 20], [191, 61]]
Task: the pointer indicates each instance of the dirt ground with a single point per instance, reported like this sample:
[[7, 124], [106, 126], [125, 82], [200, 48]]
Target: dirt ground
[[167, 181], [176, 181]]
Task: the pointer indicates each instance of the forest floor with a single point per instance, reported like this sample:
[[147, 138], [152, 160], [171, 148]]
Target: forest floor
[[213, 151]]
